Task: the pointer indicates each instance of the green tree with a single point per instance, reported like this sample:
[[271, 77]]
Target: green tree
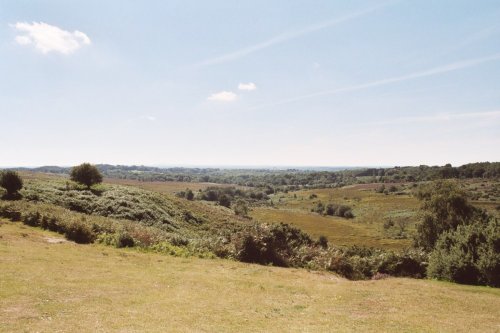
[[470, 254], [86, 174], [444, 206], [11, 182]]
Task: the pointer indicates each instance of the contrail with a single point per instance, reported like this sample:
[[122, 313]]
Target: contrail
[[287, 36], [431, 72]]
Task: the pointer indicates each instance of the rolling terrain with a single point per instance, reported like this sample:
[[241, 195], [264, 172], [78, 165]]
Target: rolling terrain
[[49, 285]]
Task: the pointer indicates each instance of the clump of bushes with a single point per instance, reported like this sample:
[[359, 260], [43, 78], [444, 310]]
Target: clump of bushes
[[334, 210], [364, 263], [271, 244], [226, 195], [79, 232], [470, 254], [462, 240]]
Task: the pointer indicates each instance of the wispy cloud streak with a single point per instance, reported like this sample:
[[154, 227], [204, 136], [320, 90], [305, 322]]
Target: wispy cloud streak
[[489, 115], [430, 72], [287, 36]]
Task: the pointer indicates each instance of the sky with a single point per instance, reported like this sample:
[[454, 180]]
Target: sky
[[249, 83]]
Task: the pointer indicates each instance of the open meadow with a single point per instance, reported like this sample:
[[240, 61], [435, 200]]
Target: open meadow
[[49, 285]]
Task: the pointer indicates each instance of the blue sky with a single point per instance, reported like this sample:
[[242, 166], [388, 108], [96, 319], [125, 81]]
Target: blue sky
[[306, 83]]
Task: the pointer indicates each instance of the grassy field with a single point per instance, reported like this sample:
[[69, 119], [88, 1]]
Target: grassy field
[[50, 285], [370, 209]]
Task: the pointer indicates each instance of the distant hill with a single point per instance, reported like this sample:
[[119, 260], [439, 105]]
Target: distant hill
[[293, 177]]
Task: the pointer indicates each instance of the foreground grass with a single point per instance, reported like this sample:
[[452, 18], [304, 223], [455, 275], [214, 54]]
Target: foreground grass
[[48, 286]]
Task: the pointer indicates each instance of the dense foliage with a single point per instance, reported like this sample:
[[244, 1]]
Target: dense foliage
[[463, 241], [445, 206], [470, 254], [86, 174], [11, 182]]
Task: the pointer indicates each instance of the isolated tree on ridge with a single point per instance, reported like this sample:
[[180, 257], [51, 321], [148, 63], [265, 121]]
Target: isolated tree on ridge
[[86, 174], [11, 182]]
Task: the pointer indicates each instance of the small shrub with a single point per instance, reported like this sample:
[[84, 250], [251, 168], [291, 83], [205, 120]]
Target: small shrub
[[241, 208], [323, 242], [224, 201], [33, 219], [123, 239], [79, 233]]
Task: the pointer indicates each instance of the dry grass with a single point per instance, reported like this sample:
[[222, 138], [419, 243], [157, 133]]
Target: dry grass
[[339, 231], [56, 287], [371, 210]]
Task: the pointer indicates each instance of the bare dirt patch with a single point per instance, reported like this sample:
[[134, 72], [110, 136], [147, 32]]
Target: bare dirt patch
[[55, 240]]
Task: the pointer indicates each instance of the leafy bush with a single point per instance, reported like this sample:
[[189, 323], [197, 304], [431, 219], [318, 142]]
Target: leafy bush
[[86, 174], [11, 182], [124, 239], [271, 244], [79, 232], [337, 210], [445, 206], [363, 263], [470, 254]]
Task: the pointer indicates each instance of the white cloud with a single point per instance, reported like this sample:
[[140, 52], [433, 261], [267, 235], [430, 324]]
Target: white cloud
[[247, 86], [223, 96], [48, 38]]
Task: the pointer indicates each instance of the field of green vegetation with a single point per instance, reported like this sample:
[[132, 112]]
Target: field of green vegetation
[[433, 229], [49, 284]]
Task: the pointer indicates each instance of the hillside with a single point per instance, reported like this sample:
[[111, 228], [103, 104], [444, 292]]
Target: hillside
[[49, 284]]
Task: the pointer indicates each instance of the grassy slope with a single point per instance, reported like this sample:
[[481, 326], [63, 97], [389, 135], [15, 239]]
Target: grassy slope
[[128, 201], [51, 287]]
